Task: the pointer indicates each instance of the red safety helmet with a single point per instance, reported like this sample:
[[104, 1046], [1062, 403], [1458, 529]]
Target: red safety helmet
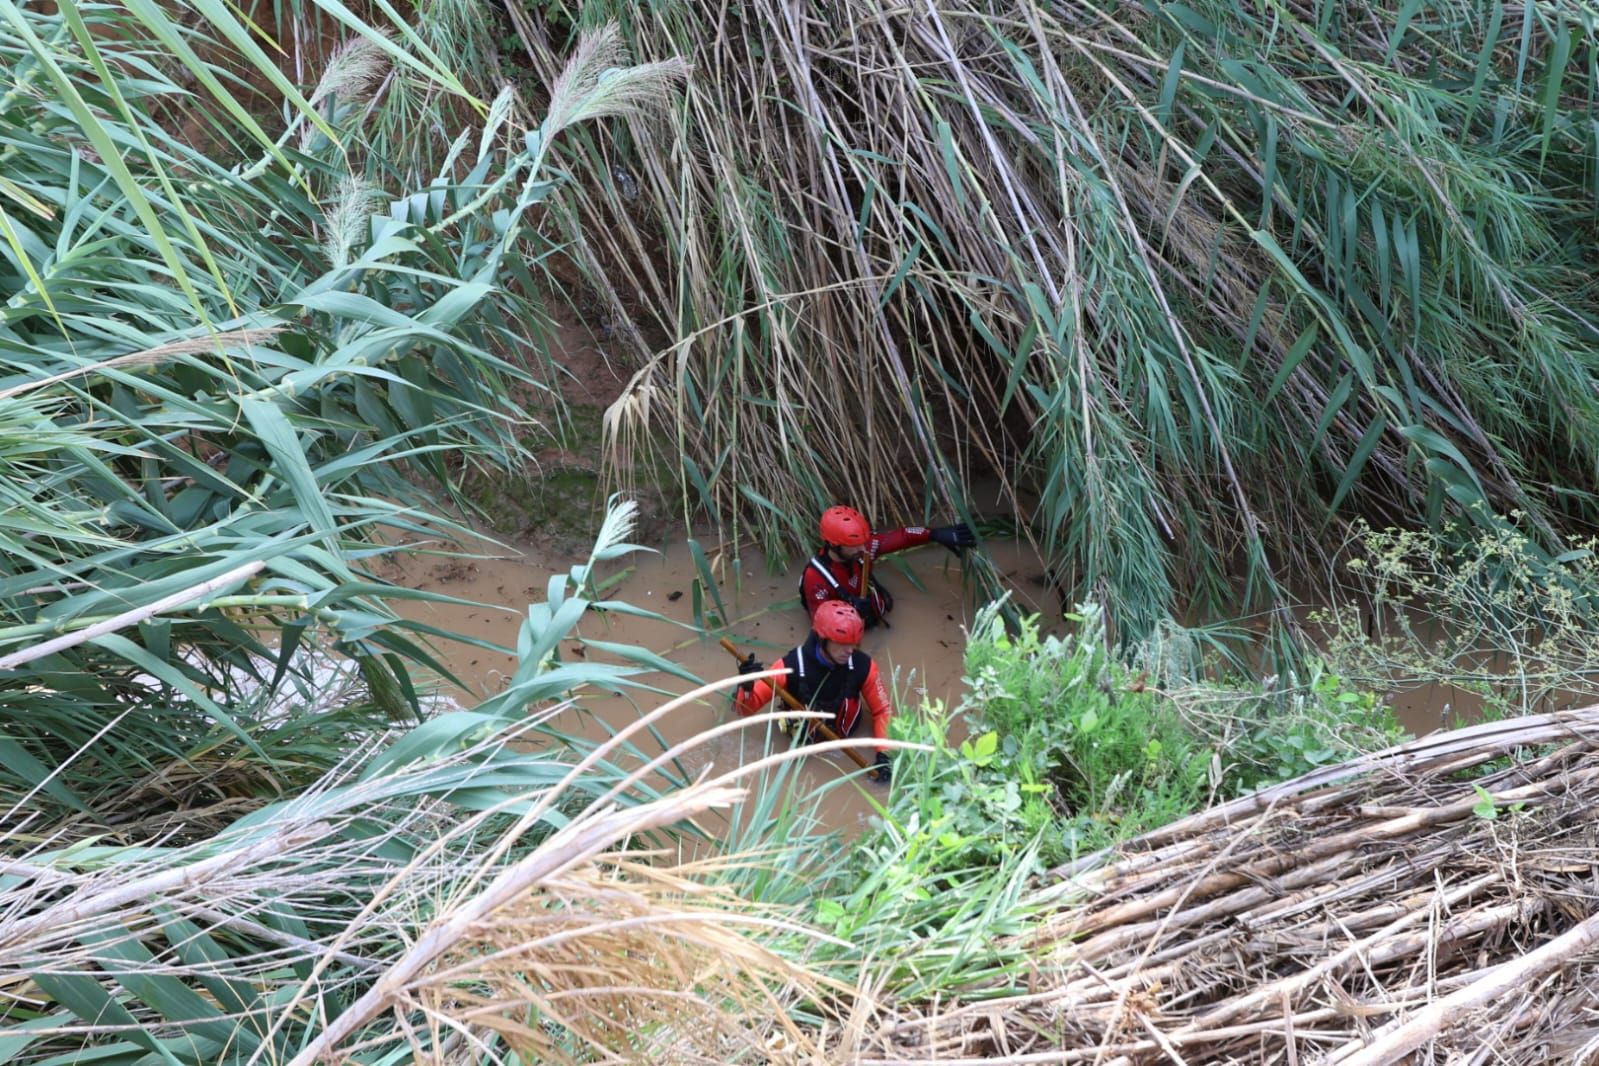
[[845, 526], [837, 621]]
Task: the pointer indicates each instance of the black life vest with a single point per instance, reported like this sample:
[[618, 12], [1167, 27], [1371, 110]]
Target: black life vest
[[823, 686]]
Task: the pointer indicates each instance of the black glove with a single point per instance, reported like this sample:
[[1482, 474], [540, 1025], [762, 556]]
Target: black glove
[[863, 607], [957, 538], [749, 666], [882, 769]]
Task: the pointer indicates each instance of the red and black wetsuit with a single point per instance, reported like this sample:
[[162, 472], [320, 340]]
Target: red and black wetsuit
[[824, 686], [824, 579]]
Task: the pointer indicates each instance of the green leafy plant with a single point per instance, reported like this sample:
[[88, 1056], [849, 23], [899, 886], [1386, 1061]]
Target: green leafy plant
[[1080, 736], [1072, 749], [973, 804], [1062, 755], [1294, 727], [1484, 808]]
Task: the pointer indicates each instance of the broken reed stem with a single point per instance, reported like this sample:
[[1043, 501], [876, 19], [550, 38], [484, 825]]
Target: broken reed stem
[[87, 902], [214, 344], [1399, 1040], [1272, 936], [133, 617]]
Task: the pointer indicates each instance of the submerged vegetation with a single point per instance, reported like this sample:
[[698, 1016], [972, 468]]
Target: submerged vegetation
[[1486, 613], [1197, 283]]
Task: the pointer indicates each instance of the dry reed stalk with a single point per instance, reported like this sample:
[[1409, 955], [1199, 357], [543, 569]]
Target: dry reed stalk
[[577, 843], [1403, 1038], [1377, 891], [92, 898], [616, 950]]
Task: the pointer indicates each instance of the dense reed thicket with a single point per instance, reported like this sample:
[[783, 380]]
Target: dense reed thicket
[[1192, 279], [222, 373]]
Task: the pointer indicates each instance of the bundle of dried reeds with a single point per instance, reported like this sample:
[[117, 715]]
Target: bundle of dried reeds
[[1434, 902]]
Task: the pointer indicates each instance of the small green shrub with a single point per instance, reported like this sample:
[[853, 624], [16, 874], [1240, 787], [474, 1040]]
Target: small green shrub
[[1108, 757], [1070, 750], [973, 804], [1279, 732], [1062, 751]]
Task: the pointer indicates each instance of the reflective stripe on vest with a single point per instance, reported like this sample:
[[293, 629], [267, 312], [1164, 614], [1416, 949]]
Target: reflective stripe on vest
[[827, 575]]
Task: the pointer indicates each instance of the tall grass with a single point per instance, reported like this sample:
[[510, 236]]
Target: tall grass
[[222, 373], [1192, 280]]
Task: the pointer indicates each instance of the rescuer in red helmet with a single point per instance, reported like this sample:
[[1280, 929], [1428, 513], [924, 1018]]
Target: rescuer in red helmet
[[847, 542], [828, 673]]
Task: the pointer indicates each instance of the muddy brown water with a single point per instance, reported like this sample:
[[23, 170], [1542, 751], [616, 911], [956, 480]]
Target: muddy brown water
[[921, 656]]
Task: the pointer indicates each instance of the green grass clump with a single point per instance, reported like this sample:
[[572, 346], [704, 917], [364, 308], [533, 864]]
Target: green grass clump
[[1072, 749], [1066, 728]]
